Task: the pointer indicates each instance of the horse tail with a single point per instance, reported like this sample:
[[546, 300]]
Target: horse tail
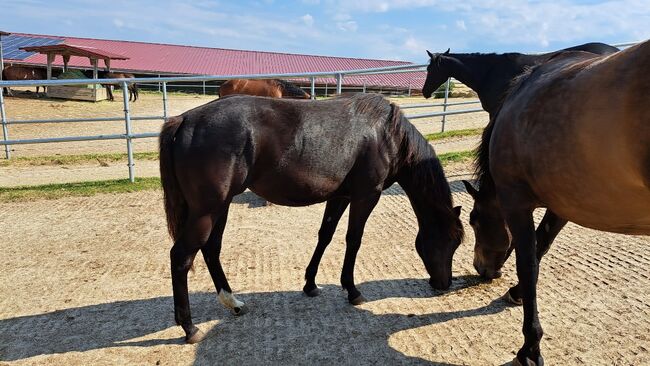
[[175, 204]]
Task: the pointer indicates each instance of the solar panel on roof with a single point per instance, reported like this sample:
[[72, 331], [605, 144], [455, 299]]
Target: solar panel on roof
[[11, 45]]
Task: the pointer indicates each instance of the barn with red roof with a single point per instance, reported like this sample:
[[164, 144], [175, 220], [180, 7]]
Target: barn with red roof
[[157, 59]]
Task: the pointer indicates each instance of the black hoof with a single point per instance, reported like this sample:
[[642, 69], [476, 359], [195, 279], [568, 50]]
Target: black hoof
[[194, 336], [311, 291], [528, 362], [239, 310], [509, 298], [358, 300]]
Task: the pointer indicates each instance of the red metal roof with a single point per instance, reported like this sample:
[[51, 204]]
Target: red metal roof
[[156, 58], [74, 50]]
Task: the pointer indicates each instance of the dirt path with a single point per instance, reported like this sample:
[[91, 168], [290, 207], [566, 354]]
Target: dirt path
[[86, 281]]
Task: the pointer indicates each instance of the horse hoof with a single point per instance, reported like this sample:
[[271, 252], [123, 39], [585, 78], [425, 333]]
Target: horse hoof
[[196, 336], [358, 300], [239, 310], [528, 362], [313, 292], [511, 300]]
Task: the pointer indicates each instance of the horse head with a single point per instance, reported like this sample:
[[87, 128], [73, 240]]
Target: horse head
[[436, 73], [492, 246]]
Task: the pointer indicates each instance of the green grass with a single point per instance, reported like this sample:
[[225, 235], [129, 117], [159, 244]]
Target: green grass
[[82, 189], [102, 159], [455, 157], [453, 133], [86, 189]]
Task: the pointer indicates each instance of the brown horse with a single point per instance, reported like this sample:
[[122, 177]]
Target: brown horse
[[133, 87], [274, 88], [573, 136], [23, 73], [344, 151]]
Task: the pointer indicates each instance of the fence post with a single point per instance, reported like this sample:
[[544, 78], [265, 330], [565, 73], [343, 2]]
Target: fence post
[[325, 89], [364, 86], [159, 84], [203, 87], [127, 120], [409, 88], [339, 83], [313, 88], [5, 130], [444, 105], [164, 92]]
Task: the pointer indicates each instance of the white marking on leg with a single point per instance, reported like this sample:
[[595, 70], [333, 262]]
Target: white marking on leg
[[229, 301]]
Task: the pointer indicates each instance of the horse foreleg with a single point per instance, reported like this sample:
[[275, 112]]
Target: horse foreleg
[[359, 212], [333, 212], [195, 235], [521, 224], [548, 229]]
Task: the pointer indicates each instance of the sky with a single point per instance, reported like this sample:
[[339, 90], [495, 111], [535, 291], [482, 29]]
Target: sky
[[390, 30]]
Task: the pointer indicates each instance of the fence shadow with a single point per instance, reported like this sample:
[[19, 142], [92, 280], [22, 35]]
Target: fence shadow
[[282, 327]]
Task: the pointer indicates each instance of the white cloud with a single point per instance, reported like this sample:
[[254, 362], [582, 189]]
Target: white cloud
[[461, 25], [118, 23], [348, 26], [307, 19]]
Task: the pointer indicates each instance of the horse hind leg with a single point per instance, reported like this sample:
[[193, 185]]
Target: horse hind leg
[[196, 232], [333, 212], [211, 252]]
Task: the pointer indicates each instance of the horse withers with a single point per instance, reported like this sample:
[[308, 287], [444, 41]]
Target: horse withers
[[274, 88], [344, 151], [573, 136], [23, 73]]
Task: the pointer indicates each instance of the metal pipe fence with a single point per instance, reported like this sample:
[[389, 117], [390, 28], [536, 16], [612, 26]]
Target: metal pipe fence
[[163, 83]]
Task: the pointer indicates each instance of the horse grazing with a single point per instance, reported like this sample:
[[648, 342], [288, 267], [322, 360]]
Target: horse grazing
[[282, 150], [561, 142], [23, 73], [275, 88], [490, 75], [133, 87]]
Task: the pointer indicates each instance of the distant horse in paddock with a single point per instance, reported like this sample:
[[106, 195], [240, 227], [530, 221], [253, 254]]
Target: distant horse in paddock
[[275, 88], [283, 150], [573, 136], [490, 74], [23, 73], [133, 87]]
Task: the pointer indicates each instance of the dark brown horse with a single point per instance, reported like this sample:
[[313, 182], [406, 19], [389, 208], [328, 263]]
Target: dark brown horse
[[133, 87], [274, 88], [490, 75], [23, 73], [573, 136], [344, 151]]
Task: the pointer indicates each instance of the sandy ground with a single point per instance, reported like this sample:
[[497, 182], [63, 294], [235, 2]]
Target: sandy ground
[[86, 281]]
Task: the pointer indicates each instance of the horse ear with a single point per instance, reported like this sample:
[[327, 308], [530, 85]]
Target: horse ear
[[430, 54], [470, 189], [457, 210], [447, 52]]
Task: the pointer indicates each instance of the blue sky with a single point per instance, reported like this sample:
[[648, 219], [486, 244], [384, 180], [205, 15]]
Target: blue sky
[[396, 29]]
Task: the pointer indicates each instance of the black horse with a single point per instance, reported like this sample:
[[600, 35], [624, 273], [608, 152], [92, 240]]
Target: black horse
[[344, 151], [490, 75]]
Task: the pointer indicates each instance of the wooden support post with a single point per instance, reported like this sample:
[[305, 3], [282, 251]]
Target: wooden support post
[[93, 61], [66, 60]]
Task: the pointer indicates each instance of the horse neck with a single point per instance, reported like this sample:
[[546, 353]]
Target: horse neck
[[489, 75], [423, 180]]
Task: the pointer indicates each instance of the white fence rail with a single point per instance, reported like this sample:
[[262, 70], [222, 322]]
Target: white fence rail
[[163, 81]]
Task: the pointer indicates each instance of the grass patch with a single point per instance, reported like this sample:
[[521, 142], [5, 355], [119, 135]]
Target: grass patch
[[455, 157], [454, 133], [82, 189], [102, 159]]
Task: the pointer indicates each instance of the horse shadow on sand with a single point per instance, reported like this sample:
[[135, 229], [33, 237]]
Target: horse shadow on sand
[[284, 327]]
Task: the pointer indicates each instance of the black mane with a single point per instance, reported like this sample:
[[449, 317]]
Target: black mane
[[289, 89]]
